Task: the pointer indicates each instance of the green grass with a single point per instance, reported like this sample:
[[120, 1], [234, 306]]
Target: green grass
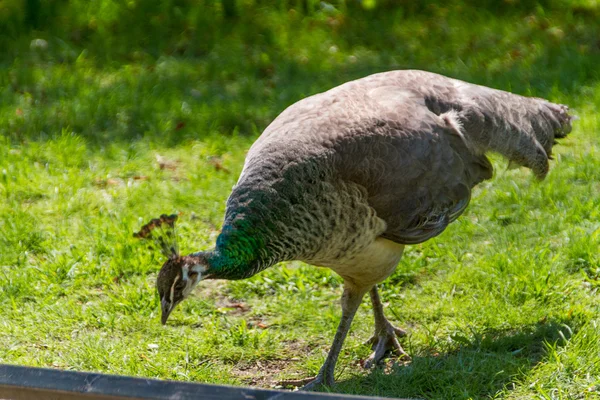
[[503, 304]]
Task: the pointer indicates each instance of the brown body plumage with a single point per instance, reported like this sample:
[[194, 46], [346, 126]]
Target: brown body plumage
[[346, 178]]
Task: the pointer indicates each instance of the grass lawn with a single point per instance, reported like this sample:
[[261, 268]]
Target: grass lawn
[[97, 137]]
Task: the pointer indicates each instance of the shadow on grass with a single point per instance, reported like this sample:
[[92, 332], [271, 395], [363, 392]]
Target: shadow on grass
[[487, 363]]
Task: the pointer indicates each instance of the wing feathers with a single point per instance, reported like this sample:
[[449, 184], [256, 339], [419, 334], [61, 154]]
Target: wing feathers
[[520, 128]]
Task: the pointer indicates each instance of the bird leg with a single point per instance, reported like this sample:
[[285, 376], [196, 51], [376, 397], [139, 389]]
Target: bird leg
[[386, 335], [351, 299]]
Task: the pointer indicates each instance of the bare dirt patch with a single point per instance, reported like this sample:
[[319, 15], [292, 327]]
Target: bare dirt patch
[[271, 373], [263, 373]]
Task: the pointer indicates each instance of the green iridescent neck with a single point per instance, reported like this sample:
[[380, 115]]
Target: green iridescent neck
[[236, 256]]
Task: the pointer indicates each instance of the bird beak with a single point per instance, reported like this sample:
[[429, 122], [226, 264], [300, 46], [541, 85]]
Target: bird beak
[[166, 308]]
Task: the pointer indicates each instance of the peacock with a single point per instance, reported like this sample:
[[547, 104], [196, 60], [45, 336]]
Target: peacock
[[346, 178]]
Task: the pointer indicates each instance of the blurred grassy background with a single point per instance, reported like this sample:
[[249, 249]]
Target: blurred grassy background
[[236, 64], [112, 112]]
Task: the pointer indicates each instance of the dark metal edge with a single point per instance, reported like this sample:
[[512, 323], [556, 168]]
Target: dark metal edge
[[64, 384]]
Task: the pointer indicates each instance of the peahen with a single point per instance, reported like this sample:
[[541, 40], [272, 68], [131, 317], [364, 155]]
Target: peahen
[[346, 178]]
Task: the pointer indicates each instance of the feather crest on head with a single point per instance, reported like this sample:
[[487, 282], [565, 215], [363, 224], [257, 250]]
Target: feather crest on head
[[162, 232]]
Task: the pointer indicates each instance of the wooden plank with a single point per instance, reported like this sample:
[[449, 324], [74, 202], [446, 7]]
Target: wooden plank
[[28, 383]]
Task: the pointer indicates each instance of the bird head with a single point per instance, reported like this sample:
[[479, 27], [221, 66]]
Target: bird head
[[179, 274], [176, 280]]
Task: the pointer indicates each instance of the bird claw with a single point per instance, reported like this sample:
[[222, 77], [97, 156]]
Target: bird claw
[[373, 340], [384, 341], [316, 383], [308, 384]]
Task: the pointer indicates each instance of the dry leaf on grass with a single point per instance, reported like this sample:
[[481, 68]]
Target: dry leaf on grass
[[165, 163], [217, 162], [100, 182]]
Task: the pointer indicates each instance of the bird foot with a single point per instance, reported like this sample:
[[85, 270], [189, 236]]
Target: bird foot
[[319, 381], [373, 340], [308, 384], [383, 341]]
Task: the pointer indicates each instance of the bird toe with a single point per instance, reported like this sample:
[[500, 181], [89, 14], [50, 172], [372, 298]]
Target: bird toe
[[386, 342]]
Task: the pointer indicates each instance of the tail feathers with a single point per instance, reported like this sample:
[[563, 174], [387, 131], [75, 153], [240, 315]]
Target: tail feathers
[[522, 129]]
